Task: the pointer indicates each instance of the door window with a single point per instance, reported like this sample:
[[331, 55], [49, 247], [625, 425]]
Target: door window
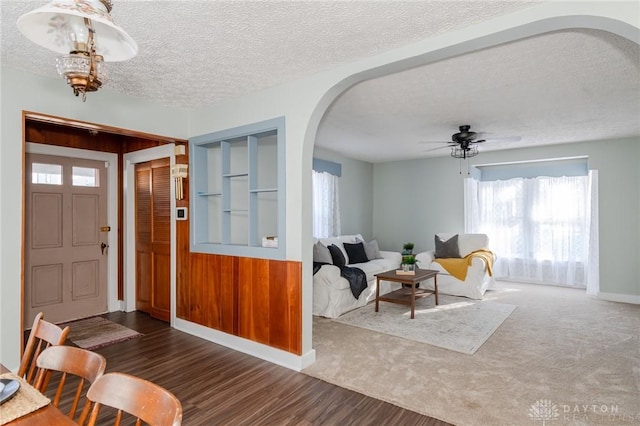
[[46, 174], [85, 176]]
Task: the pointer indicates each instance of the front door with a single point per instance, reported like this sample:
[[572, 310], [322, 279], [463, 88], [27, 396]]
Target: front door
[[65, 238]]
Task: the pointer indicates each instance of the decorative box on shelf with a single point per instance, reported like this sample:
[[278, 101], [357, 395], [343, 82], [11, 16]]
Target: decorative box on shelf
[[270, 242]]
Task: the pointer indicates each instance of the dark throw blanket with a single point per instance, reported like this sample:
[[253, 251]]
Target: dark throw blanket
[[355, 276]]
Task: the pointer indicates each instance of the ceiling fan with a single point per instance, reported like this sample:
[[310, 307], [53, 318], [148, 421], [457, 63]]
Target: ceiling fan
[[463, 143]]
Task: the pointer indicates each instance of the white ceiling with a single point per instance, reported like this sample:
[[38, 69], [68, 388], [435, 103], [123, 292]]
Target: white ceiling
[[560, 87]]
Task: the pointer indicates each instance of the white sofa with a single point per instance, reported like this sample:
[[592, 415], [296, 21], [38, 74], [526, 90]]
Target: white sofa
[[332, 295], [478, 279]]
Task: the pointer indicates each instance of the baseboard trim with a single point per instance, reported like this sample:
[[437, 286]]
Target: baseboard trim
[[623, 298], [267, 353]]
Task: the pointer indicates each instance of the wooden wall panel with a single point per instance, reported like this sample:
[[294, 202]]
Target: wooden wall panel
[[212, 292], [183, 268], [196, 285], [183, 254], [70, 137], [228, 295], [279, 305], [257, 299], [293, 303], [253, 299]]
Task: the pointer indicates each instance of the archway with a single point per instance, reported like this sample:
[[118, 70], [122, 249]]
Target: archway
[[536, 21]]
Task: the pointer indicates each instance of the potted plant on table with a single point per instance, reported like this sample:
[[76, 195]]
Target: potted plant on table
[[408, 262]]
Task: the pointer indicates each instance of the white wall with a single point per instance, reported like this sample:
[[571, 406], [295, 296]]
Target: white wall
[[356, 193], [435, 204], [27, 92]]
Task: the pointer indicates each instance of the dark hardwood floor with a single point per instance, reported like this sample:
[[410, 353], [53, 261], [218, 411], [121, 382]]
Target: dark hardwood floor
[[219, 386]]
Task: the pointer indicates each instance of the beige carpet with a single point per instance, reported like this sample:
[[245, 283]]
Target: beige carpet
[[96, 332], [561, 357], [456, 323]]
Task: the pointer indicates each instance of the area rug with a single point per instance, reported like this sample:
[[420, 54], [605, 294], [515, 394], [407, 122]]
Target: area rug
[[458, 324], [96, 332]]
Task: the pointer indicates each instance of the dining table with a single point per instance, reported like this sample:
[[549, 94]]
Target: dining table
[[49, 414]]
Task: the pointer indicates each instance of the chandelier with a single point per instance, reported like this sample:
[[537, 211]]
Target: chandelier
[[464, 152], [86, 36]]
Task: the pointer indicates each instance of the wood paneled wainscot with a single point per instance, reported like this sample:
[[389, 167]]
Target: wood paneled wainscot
[[257, 299]]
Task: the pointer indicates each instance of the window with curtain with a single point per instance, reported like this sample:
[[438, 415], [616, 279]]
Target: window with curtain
[[326, 209], [543, 230]]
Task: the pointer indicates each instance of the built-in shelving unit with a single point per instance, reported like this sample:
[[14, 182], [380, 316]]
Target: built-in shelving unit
[[237, 191]]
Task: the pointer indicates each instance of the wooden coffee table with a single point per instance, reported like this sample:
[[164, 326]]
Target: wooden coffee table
[[407, 295]]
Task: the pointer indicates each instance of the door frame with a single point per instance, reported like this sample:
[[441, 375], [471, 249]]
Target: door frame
[[111, 160], [130, 160]]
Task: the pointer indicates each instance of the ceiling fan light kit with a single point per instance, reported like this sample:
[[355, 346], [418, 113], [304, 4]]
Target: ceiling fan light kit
[[470, 151], [84, 33]]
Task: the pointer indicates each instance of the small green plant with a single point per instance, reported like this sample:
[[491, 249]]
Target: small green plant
[[409, 259], [408, 246]]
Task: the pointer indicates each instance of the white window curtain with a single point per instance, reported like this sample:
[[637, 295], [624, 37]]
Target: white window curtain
[[326, 209], [543, 230]]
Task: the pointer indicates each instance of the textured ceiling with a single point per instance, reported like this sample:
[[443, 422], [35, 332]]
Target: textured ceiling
[[554, 88]]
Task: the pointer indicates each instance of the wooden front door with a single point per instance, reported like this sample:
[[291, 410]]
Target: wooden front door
[[153, 238], [65, 260]]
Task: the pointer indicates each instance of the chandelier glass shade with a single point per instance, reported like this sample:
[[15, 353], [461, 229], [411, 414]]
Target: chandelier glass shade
[[81, 73], [84, 33]]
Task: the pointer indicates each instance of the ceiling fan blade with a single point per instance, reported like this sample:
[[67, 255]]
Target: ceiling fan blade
[[507, 139], [435, 149], [435, 142]]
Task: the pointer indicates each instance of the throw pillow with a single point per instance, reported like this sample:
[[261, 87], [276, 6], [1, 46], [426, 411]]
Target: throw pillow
[[372, 250], [337, 256], [356, 253], [321, 254], [447, 248]]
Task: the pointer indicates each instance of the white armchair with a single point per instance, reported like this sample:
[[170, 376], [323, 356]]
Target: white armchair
[[478, 277]]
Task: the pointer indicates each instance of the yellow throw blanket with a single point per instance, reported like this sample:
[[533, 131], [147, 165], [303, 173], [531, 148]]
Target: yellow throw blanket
[[457, 267]]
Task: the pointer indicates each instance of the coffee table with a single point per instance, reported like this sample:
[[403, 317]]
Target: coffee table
[[407, 295]]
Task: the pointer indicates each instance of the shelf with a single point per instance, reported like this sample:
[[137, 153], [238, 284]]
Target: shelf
[[238, 190]]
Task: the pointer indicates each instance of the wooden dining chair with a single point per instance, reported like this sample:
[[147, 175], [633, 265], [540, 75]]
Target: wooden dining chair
[[43, 334], [85, 365], [148, 402]]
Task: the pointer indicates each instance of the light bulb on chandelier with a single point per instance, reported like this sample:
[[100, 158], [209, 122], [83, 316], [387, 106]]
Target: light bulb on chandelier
[[83, 69], [84, 32]]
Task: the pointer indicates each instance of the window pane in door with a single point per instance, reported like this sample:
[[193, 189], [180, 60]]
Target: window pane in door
[[46, 174], [85, 176]]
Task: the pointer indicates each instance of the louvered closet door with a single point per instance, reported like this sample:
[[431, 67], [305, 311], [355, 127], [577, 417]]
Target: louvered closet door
[[153, 238]]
